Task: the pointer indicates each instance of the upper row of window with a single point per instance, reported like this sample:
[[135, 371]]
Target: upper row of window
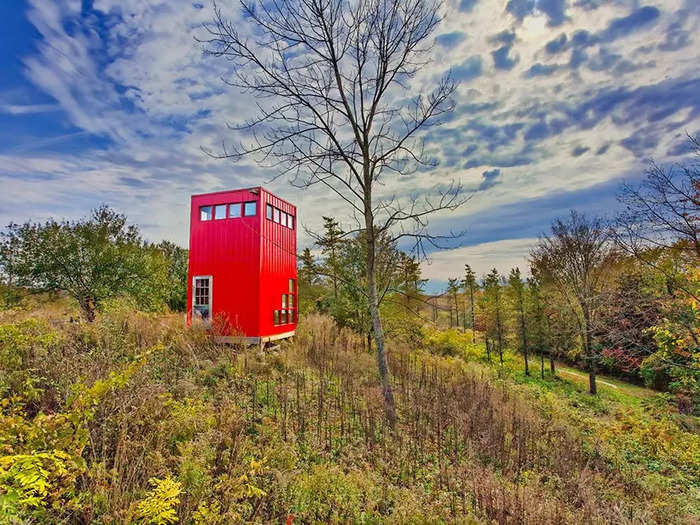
[[278, 216], [230, 211]]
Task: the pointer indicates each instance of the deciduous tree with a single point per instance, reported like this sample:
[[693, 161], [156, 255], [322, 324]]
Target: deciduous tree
[[575, 258], [91, 259], [340, 112]]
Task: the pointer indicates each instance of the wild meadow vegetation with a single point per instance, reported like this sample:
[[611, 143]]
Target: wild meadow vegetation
[[482, 404], [113, 411], [134, 418]]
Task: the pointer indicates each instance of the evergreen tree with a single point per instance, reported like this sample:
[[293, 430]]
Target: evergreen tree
[[308, 274], [516, 291], [493, 310], [410, 281], [538, 320], [330, 243], [452, 289], [470, 286]]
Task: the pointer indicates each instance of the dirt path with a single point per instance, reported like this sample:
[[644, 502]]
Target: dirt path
[[615, 384]]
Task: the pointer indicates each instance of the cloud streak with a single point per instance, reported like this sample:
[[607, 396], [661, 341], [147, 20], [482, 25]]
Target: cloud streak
[[555, 97]]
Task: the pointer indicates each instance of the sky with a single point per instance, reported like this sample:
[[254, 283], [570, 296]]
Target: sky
[[559, 101]]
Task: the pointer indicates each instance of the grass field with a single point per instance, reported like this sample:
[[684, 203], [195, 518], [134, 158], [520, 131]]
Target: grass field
[[136, 419]]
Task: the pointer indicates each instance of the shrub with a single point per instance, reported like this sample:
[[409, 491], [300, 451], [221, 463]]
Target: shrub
[[160, 505], [326, 494]]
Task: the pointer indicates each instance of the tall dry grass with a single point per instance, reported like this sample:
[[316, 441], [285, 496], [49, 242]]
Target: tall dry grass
[[468, 446]]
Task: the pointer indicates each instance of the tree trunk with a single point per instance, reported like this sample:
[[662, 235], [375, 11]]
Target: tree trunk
[[369, 342], [335, 275], [464, 317], [522, 327], [87, 304], [592, 386], [499, 327], [378, 329], [551, 362], [471, 306], [541, 362], [456, 311]]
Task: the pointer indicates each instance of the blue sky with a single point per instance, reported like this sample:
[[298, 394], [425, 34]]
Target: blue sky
[[559, 100]]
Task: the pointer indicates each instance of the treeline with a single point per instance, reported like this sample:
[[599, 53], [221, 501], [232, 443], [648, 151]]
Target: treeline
[[618, 296], [93, 259], [334, 282]]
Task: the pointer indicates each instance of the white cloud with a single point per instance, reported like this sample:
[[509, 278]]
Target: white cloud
[[23, 109], [502, 255], [132, 72]]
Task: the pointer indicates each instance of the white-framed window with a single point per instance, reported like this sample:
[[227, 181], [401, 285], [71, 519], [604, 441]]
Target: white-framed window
[[284, 300], [279, 216], [220, 211], [291, 285], [276, 317], [250, 208], [201, 297], [234, 210], [205, 213]]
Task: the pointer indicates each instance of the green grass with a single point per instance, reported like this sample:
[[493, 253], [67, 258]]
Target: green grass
[[638, 430], [606, 384], [136, 415]]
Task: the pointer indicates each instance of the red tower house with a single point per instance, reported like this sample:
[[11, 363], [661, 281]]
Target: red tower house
[[242, 269]]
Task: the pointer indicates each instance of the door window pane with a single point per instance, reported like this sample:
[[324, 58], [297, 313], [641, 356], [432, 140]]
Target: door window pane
[[234, 210], [220, 211], [205, 213], [249, 209], [290, 300], [291, 285], [276, 317], [284, 300], [202, 296]]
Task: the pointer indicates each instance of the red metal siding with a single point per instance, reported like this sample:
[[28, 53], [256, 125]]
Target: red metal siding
[[250, 260], [278, 265]]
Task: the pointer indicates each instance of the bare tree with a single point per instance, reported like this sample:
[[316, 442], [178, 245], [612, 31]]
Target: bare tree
[[663, 211], [334, 76], [575, 259]]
